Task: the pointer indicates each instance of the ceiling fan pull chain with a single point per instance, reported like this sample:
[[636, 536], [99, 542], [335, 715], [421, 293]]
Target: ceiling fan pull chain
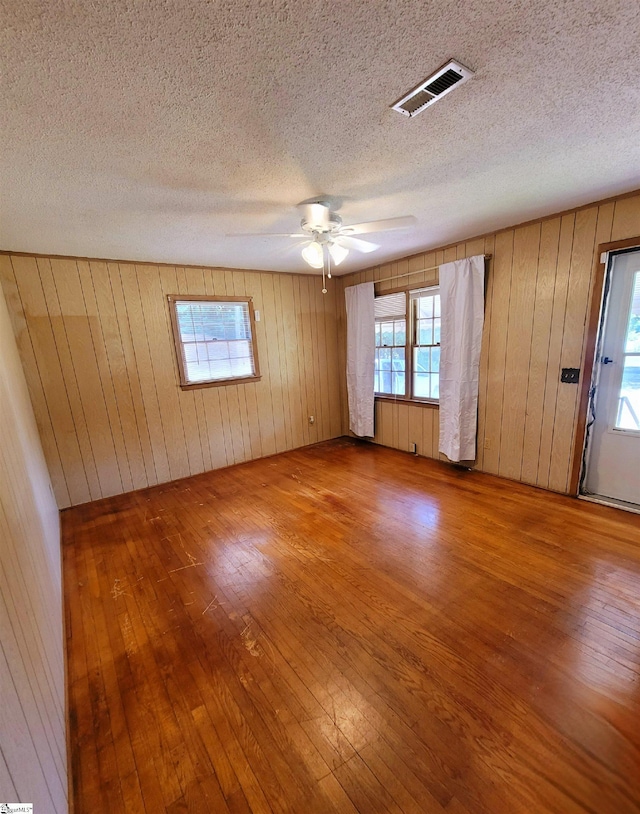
[[324, 284]]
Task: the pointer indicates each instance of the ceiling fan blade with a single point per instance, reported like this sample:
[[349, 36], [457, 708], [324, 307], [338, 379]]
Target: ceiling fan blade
[[379, 225], [264, 234], [357, 244]]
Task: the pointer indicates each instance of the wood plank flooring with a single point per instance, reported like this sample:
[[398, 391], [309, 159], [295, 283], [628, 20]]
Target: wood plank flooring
[[348, 628]]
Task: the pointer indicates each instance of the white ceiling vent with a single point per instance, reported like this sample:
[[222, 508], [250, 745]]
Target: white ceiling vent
[[445, 79]]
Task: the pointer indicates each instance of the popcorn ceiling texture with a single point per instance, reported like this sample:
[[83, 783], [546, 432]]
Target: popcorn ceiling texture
[[150, 130]]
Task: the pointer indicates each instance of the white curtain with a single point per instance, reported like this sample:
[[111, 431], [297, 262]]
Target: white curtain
[[360, 357], [462, 305]]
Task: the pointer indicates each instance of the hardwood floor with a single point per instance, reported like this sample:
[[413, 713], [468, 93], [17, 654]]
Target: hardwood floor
[[349, 628]]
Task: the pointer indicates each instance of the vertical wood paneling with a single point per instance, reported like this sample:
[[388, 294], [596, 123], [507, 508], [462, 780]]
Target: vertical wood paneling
[[537, 371], [142, 371], [96, 344], [108, 349], [489, 249], [552, 382], [32, 711], [626, 218], [572, 340], [272, 357], [74, 449], [524, 270], [124, 361], [60, 281], [34, 381], [501, 294], [537, 296]]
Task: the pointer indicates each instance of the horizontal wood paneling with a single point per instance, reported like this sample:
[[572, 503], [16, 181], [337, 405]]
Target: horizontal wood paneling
[[96, 345], [538, 291], [33, 762]]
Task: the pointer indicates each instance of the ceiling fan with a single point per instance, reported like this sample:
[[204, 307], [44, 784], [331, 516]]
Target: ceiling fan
[[328, 241]]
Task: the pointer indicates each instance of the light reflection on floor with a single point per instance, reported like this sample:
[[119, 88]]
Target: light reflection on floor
[[611, 602]]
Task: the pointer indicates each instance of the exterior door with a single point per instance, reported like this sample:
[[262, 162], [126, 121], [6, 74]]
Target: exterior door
[[613, 468]]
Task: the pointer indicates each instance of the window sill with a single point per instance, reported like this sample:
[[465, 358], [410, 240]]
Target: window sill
[[220, 383], [404, 400]]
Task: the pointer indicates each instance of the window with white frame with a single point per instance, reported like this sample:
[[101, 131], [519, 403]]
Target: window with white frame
[[391, 340], [214, 339], [407, 345]]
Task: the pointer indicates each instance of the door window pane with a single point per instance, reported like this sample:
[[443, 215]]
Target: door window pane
[[632, 342], [628, 417]]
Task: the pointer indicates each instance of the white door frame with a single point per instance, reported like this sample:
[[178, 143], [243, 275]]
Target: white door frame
[[593, 341]]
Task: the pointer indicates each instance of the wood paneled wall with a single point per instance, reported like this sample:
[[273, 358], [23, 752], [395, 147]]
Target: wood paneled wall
[[538, 291], [33, 762], [99, 358]]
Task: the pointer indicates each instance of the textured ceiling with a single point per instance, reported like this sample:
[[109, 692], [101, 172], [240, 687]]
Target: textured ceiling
[[150, 130]]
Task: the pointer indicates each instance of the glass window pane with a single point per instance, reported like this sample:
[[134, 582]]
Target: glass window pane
[[632, 343], [435, 386], [377, 334], [397, 358], [426, 307], [398, 384], [385, 378], [421, 360], [387, 333], [436, 331], [425, 332], [198, 371], [400, 332], [436, 301], [421, 385], [629, 401], [384, 358], [435, 359]]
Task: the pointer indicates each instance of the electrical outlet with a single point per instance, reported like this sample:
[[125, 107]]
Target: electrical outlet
[[312, 419], [570, 375], [487, 443]]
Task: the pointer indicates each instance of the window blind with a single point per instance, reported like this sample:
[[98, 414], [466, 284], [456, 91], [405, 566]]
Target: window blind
[[390, 306]]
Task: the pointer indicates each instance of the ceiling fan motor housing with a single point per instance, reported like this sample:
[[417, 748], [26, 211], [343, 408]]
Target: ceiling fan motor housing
[[324, 226]]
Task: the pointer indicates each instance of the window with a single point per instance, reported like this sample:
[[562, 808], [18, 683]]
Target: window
[[407, 362], [391, 340], [215, 340], [425, 315]]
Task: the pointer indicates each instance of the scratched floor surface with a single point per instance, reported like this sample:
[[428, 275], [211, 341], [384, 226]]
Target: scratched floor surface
[[349, 628]]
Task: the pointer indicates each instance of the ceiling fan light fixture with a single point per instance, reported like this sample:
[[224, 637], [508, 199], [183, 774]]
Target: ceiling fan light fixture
[[338, 253], [313, 255]]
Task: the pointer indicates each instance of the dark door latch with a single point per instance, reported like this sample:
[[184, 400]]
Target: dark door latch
[[607, 360]]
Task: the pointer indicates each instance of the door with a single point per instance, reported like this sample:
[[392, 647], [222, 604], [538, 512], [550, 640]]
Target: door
[[613, 468]]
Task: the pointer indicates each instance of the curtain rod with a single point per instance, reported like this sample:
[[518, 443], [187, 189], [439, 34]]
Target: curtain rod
[[419, 271]]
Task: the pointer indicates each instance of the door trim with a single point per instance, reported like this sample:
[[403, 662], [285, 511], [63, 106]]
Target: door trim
[[593, 324]]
